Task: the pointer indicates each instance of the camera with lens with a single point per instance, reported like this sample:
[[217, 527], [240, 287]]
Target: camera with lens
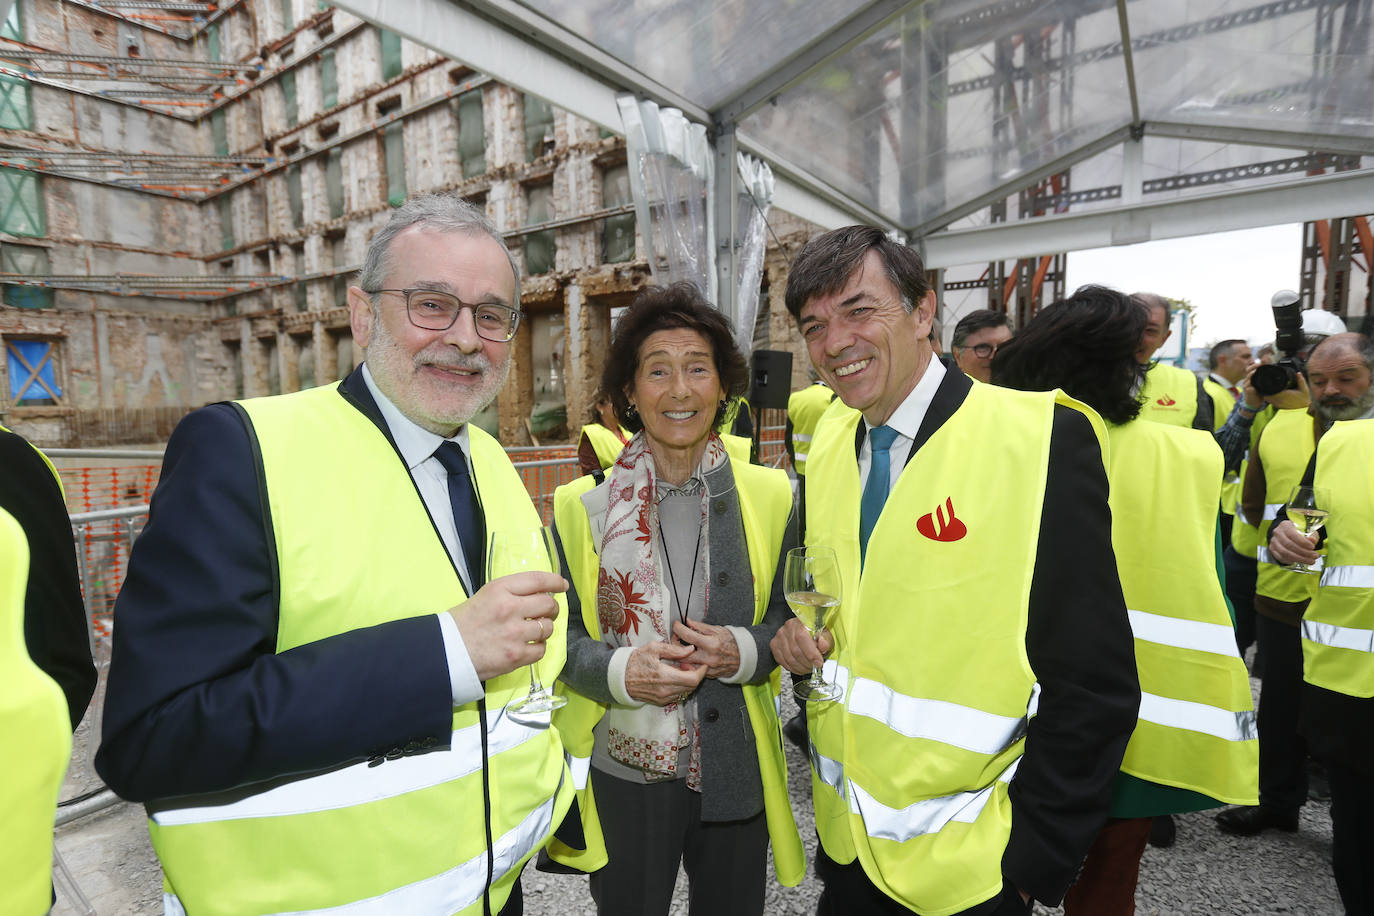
[[1288, 340]]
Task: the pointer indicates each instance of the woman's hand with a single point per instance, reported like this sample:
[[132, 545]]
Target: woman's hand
[[656, 673], [712, 646]]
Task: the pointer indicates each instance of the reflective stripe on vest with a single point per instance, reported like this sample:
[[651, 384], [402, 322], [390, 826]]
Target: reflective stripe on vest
[[360, 783], [937, 720], [1332, 636], [1197, 717], [1349, 577], [579, 767], [451, 891]]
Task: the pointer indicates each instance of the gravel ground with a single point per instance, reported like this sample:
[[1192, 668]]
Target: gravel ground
[[1206, 872]]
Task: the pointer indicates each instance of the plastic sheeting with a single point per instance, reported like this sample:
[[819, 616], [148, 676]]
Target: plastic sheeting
[[755, 197], [671, 171]]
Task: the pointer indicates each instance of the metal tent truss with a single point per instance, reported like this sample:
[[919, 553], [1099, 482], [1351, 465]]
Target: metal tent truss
[[1102, 121]]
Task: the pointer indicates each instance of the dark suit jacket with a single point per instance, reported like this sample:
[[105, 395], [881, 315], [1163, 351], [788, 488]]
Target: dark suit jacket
[[55, 630], [198, 699], [1080, 646]]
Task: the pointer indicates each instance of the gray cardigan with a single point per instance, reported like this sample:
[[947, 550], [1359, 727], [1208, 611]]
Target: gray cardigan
[[731, 788]]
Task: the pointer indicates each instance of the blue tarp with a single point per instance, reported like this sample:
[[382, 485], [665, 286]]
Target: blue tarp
[[32, 352]]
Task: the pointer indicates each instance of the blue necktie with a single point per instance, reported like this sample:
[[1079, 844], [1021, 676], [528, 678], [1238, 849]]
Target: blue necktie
[[880, 439], [467, 518]]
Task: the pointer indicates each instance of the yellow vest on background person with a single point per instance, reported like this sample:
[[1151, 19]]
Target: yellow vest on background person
[[1338, 628], [805, 409], [765, 499], [1284, 450], [929, 816], [1196, 726], [605, 442], [1222, 403], [35, 723], [1245, 538], [739, 448], [1169, 395], [409, 835]]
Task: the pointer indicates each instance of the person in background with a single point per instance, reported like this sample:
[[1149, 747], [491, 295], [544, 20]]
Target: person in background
[[1228, 363], [1171, 395], [959, 512], [976, 339], [310, 678], [1338, 379], [1194, 745], [56, 630], [1337, 657], [602, 438], [671, 683]]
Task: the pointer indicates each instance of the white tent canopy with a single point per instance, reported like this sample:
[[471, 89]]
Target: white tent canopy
[[1171, 117]]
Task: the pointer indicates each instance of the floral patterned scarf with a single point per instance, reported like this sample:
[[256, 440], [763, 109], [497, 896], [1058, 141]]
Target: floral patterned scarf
[[634, 609]]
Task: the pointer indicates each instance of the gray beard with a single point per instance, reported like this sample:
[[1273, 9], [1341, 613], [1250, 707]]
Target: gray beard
[[1361, 409]]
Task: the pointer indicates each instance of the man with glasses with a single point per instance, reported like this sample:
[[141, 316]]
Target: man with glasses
[[976, 339], [310, 677]]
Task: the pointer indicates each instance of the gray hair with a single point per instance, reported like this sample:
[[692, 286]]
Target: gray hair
[[441, 212]]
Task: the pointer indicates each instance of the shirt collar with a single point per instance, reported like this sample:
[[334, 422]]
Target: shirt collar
[[906, 419], [1225, 383], [415, 443]]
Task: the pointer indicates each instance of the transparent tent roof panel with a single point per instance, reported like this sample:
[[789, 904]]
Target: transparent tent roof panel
[[707, 51], [943, 106]]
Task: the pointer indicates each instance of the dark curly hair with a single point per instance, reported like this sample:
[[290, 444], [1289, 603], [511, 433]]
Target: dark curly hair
[[664, 308], [1085, 345]]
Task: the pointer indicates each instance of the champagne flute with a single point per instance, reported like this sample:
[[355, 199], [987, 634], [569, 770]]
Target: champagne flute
[[811, 583], [513, 550], [1307, 510]]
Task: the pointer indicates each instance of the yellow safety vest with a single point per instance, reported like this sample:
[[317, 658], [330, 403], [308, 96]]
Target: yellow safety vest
[[605, 442], [33, 719], [1285, 449], [910, 770], [407, 836], [739, 448], [1196, 726], [804, 409], [765, 499], [1222, 402], [1169, 395], [1245, 538], [1338, 628]]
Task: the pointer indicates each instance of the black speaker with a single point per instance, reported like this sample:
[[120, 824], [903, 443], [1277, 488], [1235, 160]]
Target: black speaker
[[771, 383]]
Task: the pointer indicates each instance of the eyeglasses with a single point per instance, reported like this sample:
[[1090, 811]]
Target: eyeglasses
[[435, 311], [983, 350]]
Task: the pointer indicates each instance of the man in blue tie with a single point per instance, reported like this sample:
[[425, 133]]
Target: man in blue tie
[[982, 639], [310, 679]]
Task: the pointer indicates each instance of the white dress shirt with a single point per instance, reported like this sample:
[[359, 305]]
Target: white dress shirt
[[906, 420], [416, 445]]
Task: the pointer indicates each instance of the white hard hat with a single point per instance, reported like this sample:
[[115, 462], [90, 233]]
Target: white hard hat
[[1320, 321]]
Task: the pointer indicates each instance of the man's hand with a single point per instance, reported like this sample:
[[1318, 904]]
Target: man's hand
[[795, 650], [1289, 545], [655, 674], [505, 624], [713, 647]]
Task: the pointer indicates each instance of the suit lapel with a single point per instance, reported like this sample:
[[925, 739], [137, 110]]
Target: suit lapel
[[954, 388]]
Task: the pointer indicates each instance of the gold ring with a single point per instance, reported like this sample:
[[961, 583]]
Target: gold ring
[[541, 629], [540, 637]]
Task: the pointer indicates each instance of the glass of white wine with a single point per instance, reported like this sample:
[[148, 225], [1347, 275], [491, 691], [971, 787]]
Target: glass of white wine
[[1307, 509], [811, 583], [514, 550]]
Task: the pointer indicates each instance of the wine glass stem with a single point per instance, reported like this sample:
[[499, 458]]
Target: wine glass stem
[[535, 686], [816, 679]]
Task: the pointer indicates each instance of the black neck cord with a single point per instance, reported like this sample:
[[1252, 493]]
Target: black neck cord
[[667, 561]]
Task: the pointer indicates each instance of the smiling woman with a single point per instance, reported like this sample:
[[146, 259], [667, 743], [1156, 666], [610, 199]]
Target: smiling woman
[[670, 702]]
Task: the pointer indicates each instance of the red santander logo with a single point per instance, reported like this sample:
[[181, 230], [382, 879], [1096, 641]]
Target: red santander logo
[[942, 525], [1166, 401]]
